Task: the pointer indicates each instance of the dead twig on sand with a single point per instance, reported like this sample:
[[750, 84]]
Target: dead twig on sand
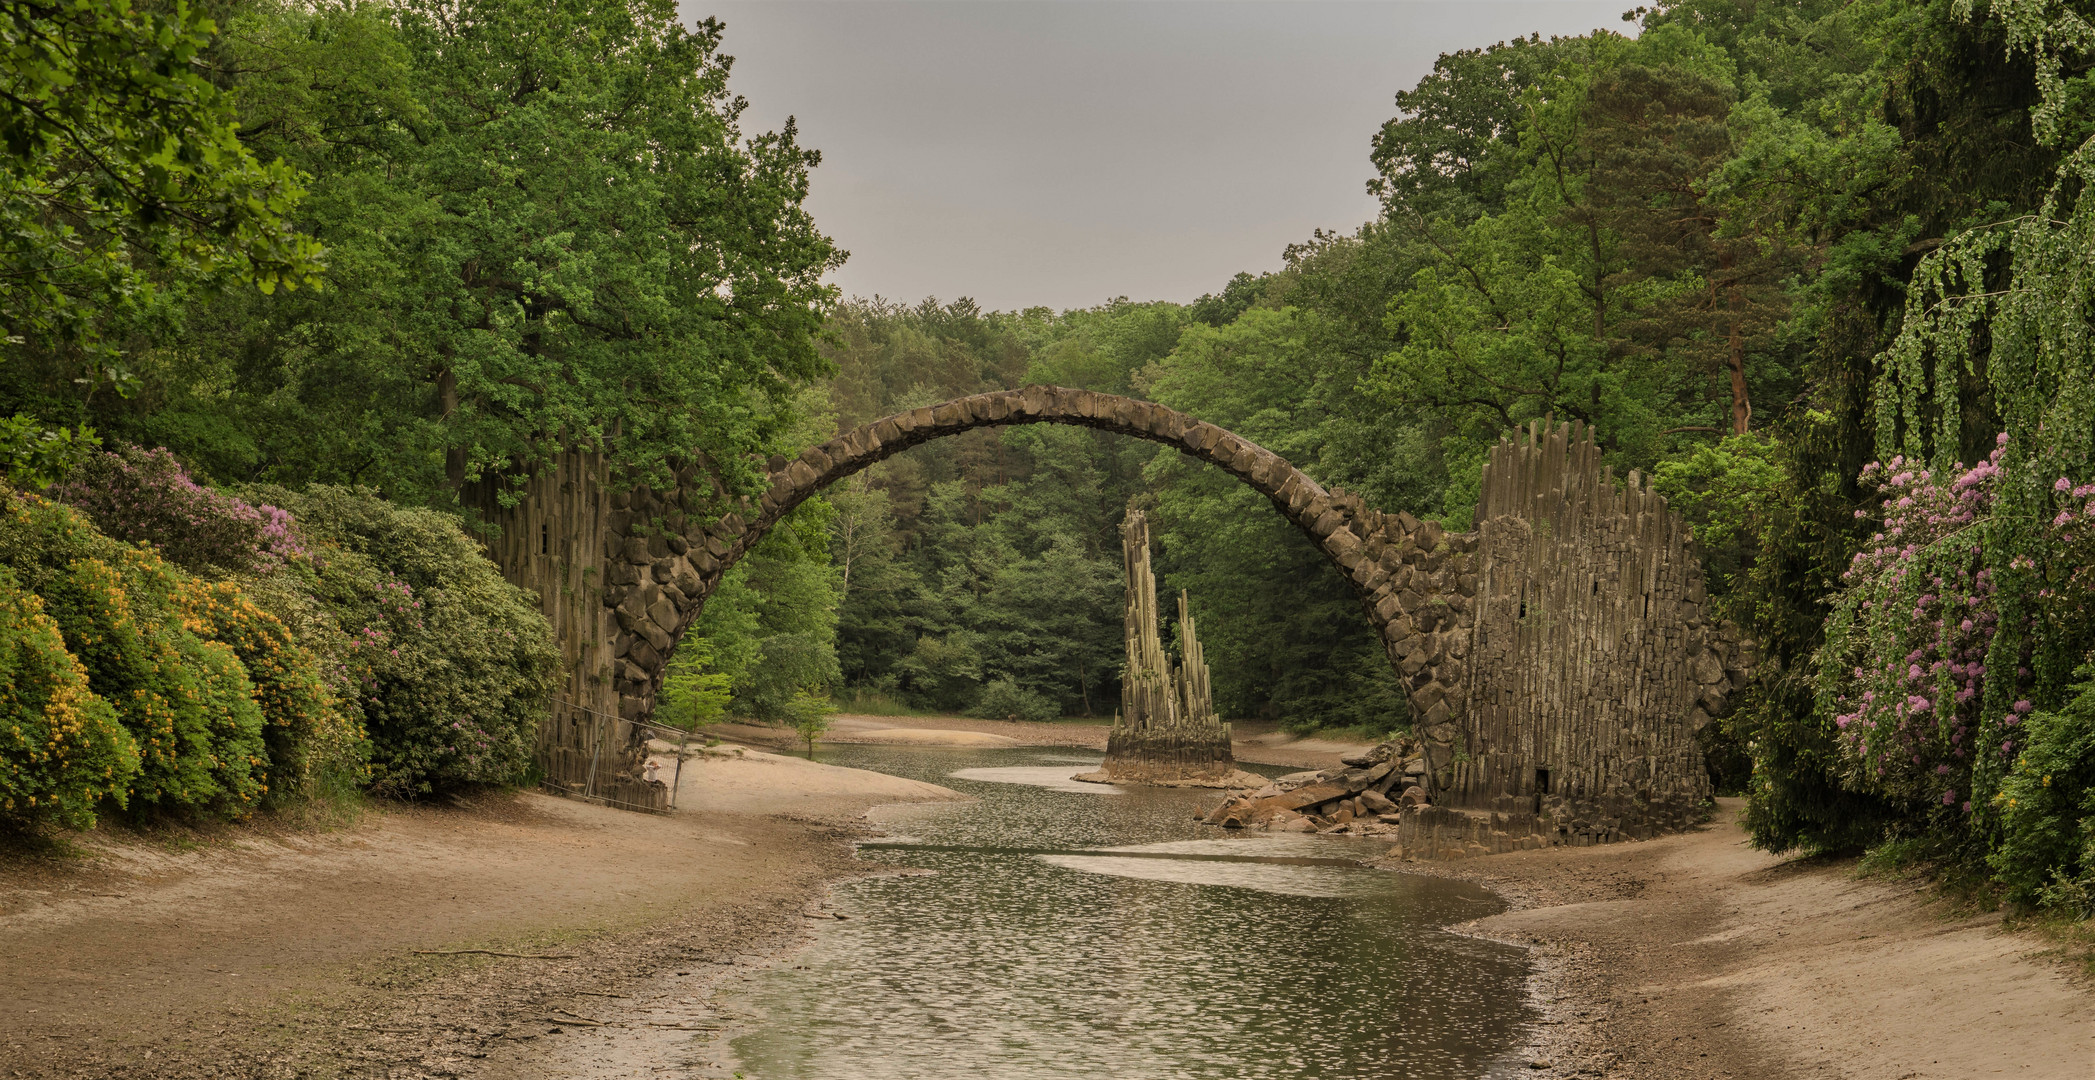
[[491, 952]]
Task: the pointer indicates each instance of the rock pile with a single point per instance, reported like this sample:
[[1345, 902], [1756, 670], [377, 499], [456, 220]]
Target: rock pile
[[1368, 796]]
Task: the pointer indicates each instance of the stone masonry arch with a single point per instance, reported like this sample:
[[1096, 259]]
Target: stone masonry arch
[[1566, 629], [1336, 522]]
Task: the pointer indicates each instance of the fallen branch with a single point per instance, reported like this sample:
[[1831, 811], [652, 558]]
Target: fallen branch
[[491, 952]]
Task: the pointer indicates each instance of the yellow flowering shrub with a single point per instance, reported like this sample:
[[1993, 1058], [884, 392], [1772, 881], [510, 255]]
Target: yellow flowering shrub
[[62, 751], [310, 737], [187, 701]]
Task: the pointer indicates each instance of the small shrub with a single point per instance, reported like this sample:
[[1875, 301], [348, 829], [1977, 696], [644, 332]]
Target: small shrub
[[693, 696], [809, 712], [62, 751], [312, 743], [1005, 699], [2046, 849]]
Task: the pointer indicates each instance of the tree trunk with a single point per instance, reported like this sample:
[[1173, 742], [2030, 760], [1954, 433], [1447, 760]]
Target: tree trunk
[[1741, 403], [447, 403]]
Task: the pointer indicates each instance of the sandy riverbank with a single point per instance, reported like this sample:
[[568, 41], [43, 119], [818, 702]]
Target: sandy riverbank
[[256, 952], [1695, 957]]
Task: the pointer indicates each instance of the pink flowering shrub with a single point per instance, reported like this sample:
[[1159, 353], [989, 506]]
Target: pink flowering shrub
[[146, 497], [1929, 699]]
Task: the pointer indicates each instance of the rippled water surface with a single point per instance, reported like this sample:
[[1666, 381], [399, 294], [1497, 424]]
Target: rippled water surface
[[1066, 930]]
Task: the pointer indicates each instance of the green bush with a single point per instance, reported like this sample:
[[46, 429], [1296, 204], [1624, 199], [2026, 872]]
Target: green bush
[[185, 697], [62, 751], [692, 694], [1005, 699], [449, 667], [2046, 849]]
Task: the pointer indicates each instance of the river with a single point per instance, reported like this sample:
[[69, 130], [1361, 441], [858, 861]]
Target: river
[[1061, 929]]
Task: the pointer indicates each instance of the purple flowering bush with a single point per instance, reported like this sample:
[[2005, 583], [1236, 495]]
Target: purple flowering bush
[[1927, 671], [1905, 669], [447, 666], [146, 497]]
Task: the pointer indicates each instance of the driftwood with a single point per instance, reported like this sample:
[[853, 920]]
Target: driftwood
[[491, 952]]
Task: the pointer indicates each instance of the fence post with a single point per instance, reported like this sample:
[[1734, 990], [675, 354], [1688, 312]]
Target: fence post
[[596, 751]]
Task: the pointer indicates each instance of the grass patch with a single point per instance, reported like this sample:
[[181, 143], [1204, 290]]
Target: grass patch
[[1965, 890], [863, 702], [38, 845], [2070, 939]]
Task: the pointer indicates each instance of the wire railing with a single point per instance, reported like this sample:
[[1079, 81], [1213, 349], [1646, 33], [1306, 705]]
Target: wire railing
[[594, 786]]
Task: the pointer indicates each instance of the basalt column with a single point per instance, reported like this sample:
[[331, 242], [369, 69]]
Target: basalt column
[[1166, 730]]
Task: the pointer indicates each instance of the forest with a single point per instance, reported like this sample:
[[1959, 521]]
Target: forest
[[281, 280]]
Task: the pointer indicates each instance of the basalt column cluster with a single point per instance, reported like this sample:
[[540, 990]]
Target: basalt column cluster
[[1166, 730]]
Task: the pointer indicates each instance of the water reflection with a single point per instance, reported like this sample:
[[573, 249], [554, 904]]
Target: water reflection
[[1070, 935]]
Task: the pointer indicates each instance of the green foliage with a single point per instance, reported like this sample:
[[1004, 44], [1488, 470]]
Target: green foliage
[[808, 711], [450, 667], [691, 696], [2046, 804], [62, 751], [546, 230], [1005, 699], [35, 455], [123, 182], [1723, 492], [771, 626]]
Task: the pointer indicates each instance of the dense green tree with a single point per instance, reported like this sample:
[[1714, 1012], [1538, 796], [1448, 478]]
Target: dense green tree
[[546, 231], [125, 193]]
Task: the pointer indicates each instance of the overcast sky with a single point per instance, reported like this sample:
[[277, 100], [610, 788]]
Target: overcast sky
[[1064, 152]]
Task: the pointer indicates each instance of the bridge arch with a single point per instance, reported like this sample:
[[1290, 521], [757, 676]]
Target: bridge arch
[[1368, 547]]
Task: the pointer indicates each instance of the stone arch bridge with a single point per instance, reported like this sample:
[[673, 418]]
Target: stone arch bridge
[[1559, 653]]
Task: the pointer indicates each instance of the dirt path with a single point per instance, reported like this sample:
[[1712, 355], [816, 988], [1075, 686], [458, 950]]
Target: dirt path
[[258, 955], [1697, 958]]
